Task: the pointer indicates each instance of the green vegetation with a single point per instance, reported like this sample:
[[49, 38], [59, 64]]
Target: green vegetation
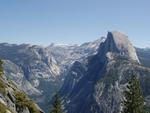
[[1, 68], [134, 101], [146, 85], [2, 88], [110, 78], [10, 81], [22, 101], [3, 108], [57, 105]]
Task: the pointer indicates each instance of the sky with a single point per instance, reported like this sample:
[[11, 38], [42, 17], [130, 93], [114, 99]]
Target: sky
[[44, 22]]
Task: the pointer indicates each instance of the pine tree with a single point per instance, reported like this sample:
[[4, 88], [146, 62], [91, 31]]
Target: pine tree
[[134, 101], [1, 68], [57, 105]]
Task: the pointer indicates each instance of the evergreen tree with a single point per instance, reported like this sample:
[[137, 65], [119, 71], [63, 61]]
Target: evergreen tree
[[134, 101], [57, 105], [1, 68]]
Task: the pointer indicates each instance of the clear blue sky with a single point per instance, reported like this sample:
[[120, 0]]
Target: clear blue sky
[[73, 21]]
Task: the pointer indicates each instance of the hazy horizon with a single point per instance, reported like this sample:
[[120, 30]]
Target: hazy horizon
[[73, 22], [63, 44]]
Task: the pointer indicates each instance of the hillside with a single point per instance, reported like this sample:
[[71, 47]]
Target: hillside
[[13, 100], [41, 71], [96, 84]]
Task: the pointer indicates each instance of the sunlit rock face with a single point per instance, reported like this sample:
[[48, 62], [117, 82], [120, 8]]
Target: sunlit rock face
[[118, 43], [96, 84], [9, 94], [40, 71]]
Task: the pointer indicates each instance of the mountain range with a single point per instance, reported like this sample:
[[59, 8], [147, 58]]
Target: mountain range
[[96, 84], [90, 77]]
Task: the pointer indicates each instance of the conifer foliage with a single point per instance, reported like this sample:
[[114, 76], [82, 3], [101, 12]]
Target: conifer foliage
[[57, 105], [134, 101], [1, 67]]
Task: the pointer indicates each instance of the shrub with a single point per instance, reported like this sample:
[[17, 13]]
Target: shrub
[[110, 78], [23, 101], [3, 108], [1, 68], [2, 88]]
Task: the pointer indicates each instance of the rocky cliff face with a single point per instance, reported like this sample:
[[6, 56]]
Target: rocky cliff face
[[38, 70], [144, 56], [118, 43], [96, 84], [13, 100]]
